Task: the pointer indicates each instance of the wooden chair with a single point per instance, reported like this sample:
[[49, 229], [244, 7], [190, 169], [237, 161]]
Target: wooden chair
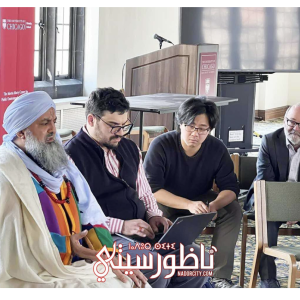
[[146, 137], [247, 173], [147, 131], [275, 201]]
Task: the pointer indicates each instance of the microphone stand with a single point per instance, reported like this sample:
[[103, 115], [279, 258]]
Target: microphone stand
[[160, 43]]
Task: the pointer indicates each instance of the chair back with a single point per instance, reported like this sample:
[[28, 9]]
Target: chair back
[[247, 171], [283, 201], [244, 169], [275, 201]]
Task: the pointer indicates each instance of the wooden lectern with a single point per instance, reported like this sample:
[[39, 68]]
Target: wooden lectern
[[171, 70]]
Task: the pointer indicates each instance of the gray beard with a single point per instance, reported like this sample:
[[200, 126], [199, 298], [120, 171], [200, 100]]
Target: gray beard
[[293, 138], [50, 156]]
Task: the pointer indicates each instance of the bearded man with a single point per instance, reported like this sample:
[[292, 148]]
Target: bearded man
[[50, 221], [105, 157], [278, 160]]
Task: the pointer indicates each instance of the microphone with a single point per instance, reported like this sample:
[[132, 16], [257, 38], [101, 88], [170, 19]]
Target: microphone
[[161, 40]]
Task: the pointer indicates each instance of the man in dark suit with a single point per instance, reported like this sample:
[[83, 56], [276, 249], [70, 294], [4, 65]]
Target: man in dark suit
[[278, 160]]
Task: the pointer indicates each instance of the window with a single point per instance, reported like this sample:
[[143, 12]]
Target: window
[[62, 41], [58, 50], [37, 44]]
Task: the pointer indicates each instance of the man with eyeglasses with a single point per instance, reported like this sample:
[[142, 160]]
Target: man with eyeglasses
[[278, 160], [112, 165], [181, 167]]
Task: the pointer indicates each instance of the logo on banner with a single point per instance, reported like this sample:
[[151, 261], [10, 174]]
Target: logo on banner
[[16, 24]]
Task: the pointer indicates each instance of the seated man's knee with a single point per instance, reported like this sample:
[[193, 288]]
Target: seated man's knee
[[235, 211]]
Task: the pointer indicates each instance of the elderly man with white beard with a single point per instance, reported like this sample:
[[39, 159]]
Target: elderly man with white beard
[[278, 160], [50, 222]]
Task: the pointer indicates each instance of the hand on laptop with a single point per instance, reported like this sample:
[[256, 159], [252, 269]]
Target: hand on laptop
[[156, 222], [197, 207], [138, 227]]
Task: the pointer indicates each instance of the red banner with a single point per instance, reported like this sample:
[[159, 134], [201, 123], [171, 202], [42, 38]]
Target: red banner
[[208, 74], [16, 55]]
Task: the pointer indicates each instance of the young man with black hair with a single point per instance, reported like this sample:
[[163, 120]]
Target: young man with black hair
[[112, 165], [181, 167]]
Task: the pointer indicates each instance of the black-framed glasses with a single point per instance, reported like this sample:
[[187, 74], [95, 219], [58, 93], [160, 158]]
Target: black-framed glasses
[[292, 123], [191, 128], [115, 129]]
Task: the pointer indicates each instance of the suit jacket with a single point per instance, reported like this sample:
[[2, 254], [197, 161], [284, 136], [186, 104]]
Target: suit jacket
[[272, 162]]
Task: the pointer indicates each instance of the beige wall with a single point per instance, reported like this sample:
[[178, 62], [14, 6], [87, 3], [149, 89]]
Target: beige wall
[[120, 34], [294, 89], [91, 46], [116, 34], [260, 95], [280, 90]]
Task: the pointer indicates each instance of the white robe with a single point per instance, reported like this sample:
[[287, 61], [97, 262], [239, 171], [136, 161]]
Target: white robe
[[28, 256]]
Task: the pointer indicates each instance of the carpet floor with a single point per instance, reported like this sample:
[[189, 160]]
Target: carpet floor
[[282, 267]]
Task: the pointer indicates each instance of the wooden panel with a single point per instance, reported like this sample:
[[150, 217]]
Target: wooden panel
[[170, 70], [166, 76], [261, 114], [189, 51], [272, 113], [169, 75], [277, 112]]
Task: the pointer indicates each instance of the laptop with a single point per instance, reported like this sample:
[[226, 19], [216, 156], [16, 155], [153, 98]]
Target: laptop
[[184, 230]]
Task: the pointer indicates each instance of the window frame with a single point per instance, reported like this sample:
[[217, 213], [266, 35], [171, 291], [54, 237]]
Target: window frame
[[39, 76], [57, 86], [71, 38]]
